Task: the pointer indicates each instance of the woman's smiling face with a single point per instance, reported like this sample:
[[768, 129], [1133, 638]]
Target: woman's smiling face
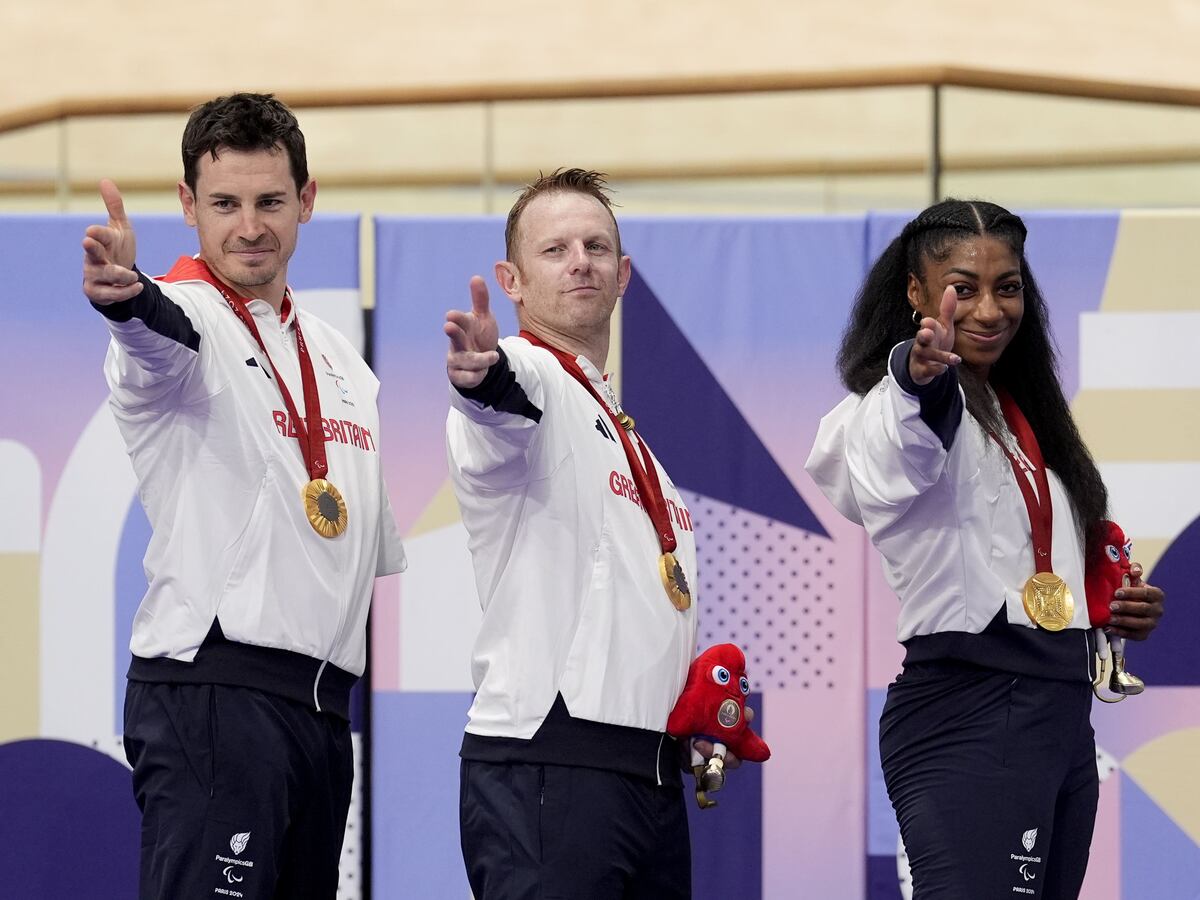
[[986, 275]]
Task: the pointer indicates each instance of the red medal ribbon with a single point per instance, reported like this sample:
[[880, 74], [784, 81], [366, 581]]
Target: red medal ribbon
[[645, 475], [312, 440], [1041, 513]]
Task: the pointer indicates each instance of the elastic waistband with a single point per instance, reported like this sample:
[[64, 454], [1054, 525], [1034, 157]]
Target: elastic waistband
[[1067, 655], [315, 683], [567, 741]]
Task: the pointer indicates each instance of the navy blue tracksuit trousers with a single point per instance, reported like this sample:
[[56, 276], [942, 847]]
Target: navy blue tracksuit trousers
[[243, 793], [993, 779], [548, 832]]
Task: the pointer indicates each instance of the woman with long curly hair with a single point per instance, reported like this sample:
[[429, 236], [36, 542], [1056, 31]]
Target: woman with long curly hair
[[957, 452]]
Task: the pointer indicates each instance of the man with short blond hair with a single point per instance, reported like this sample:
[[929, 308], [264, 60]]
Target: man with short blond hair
[[584, 560]]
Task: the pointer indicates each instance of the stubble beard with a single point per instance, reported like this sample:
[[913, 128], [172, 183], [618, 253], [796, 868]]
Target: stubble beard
[[254, 276], [257, 277], [249, 275]]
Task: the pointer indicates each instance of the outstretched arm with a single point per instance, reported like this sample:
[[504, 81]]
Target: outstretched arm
[[156, 342], [496, 401]]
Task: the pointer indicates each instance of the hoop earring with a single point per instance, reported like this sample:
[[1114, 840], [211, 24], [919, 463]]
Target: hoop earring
[[917, 317]]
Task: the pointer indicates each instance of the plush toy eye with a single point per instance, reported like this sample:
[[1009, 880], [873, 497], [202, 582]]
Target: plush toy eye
[[720, 675], [1128, 548], [1113, 553], [744, 684]]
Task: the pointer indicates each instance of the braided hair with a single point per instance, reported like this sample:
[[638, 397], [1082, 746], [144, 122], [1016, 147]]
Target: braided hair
[[1027, 369]]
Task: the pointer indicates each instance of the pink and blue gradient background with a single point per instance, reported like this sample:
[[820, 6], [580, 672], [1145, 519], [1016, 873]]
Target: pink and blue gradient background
[[762, 303]]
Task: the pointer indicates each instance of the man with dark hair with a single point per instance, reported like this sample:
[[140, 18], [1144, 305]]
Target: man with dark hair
[[584, 559], [252, 630], [243, 122]]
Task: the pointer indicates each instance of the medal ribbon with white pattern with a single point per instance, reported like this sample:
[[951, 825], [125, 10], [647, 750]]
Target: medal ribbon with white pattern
[[1046, 597], [323, 503], [645, 477]]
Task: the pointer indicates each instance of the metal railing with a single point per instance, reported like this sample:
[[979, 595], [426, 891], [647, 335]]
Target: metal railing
[[934, 165]]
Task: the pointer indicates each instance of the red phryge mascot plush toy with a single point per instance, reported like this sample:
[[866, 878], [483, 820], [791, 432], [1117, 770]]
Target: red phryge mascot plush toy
[[713, 706], [1107, 570]]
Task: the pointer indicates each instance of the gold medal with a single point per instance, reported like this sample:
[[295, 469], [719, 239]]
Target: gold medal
[[1048, 601], [625, 419], [675, 581], [325, 508]]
